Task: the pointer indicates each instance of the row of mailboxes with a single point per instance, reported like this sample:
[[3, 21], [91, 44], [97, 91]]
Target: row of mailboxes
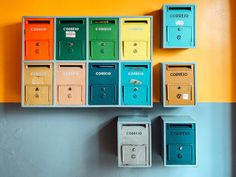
[[104, 87], [103, 42], [134, 141]]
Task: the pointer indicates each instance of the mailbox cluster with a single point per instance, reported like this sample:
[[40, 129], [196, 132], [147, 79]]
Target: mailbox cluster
[[87, 61]]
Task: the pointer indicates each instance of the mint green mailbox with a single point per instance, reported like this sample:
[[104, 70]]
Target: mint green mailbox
[[179, 29]]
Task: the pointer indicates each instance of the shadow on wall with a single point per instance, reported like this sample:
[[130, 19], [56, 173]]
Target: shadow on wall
[[232, 5], [12, 62]]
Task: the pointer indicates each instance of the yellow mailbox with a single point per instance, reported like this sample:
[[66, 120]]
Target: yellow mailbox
[[38, 82], [136, 38]]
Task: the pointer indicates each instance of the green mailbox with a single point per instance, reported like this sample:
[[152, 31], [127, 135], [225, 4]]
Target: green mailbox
[[71, 39], [103, 38]]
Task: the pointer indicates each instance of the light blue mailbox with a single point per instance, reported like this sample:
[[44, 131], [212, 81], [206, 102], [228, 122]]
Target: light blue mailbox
[[179, 29], [136, 83]]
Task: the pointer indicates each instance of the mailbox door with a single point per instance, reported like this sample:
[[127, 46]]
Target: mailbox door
[[71, 39], [70, 94], [38, 38], [135, 49], [135, 95], [102, 49], [37, 95], [181, 154], [179, 95], [134, 155], [179, 36], [104, 38], [103, 95]]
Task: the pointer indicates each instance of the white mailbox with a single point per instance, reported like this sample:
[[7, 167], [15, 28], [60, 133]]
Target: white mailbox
[[134, 141]]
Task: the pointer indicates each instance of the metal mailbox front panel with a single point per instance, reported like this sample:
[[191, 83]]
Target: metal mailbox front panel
[[71, 39], [71, 83], [38, 83], [136, 84], [135, 38], [103, 38], [38, 35], [179, 26], [103, 83]]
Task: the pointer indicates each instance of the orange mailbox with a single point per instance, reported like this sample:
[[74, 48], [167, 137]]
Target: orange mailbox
[[71, 83], [38, 38]]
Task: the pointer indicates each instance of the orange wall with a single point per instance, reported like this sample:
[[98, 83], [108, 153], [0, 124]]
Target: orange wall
[[214, 53]]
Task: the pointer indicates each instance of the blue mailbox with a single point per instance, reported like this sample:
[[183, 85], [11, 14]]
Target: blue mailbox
[[103, 83], [179, 29], [179, 141], [136, 83]]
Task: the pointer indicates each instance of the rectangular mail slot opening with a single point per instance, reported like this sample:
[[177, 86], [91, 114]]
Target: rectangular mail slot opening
[[133, 125], [136, 67], [180, 126], [103, 66], [103, 21], [179, 67], [71, 66], [136, 21], [37, 66], [38, 22], [180, 8], [71, 22]]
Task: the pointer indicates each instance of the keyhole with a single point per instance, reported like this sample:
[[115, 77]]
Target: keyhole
[[37, 89], [37, 44], [71, 44], [135, 44], [69, 88], [179, 87]]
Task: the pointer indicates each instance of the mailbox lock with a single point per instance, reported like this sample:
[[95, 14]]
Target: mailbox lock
[[135, 51], [103, 89], [181, 148], [37, 43], [179, 29], [135, 44], [133, 156], [69, 88], [178, 96], [37, 89], [102, 44], [180, 156], [103, 95], [69, 95], [133, 149], [102, 51], [179, 87], [71, 44], [179, 37]]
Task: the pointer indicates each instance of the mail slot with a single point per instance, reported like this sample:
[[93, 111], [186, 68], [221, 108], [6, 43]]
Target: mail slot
[[135, 37], [71, 39], [38, 38], [134, 141], [180, 141], [71, 83], [38, 78], [179, 84], [103, 38], [179, 26], [103, 83], [136, 83]]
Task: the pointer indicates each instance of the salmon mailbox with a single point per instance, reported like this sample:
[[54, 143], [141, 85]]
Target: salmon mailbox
[[136, 38], [178, 84], [71, 83], [38, 38], [38, 83]]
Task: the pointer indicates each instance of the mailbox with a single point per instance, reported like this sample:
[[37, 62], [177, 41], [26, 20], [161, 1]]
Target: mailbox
[[179, 26], [136, 38], [103, 83], [179, 141], [103, 38], [38, 38], [134, 141], [71, 39], [178, 84], [71, 83], [136, 83], [38, 83]]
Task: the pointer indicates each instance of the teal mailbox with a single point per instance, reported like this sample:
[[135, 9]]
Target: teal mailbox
[[136, 83], [179, 29], [103, 83], [71, 39], [179, 141]]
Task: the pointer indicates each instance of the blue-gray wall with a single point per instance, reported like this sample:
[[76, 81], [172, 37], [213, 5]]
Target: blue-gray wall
[[82, 142]]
